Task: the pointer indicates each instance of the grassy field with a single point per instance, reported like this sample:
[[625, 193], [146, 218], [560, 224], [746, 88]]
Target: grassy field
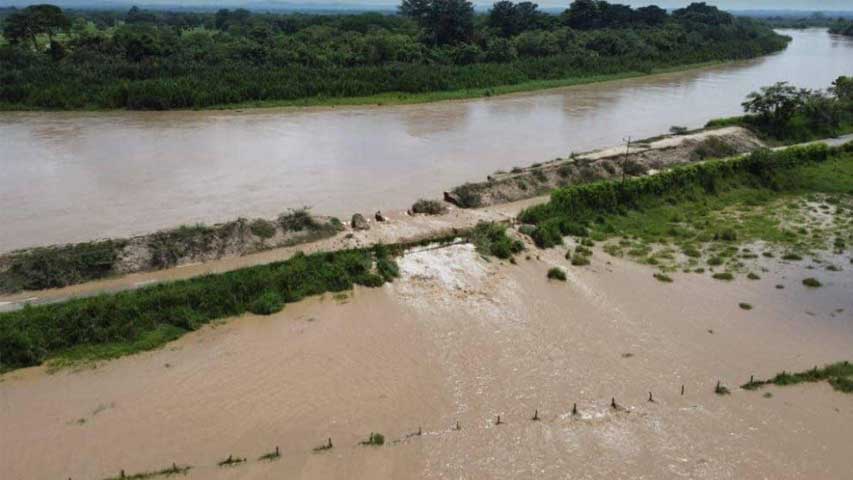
[[789, 207]]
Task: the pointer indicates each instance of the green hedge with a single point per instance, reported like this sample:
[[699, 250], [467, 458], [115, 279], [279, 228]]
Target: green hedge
[[571, 207], [146, 318]]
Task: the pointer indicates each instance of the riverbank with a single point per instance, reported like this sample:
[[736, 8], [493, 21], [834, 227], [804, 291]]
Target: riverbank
[[30, 333], [401, 98], [60, 266]]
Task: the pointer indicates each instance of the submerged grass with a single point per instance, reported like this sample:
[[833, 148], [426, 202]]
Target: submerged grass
[[839, 375]]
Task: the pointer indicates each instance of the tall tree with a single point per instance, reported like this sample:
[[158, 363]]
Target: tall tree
[[443, 21], [35, 20]]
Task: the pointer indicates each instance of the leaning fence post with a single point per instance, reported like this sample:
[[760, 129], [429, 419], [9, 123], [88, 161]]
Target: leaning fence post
[[575, 409], [650, 397], [535, 415], [682, 389], [612, 402]]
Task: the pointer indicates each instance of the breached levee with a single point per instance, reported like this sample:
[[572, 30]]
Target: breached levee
[[63, 265], [642, 157]]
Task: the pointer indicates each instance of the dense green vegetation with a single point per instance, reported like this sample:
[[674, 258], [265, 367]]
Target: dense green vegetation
[[577, 207], [490, 239], [842, 27], [112, 325], [785, 114], [716, 219], [839, 375], [166, 60]]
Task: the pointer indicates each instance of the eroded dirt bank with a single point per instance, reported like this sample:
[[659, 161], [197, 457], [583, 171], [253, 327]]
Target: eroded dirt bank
[[638, 158], [459, 338]]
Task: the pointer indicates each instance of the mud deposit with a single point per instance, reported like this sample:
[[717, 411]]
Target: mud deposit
[[462, 339]]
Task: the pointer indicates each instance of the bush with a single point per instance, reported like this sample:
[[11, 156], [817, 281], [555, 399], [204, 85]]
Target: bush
[[468, 196], [663, 278], [725, 276], [374, 440], [557, 274], [429, 207], [262, 228], [580, 261], [812, 282], [491, 239], [268, 303], [56, 267], [296, 220]]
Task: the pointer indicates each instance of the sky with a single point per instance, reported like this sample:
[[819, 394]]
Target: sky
[[725, 4]]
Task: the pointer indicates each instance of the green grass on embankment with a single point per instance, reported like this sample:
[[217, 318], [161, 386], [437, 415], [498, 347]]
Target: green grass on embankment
[[682, 203]]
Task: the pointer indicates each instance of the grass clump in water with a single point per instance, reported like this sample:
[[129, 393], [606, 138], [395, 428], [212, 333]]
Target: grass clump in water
[[231, 461], [724, 276], [166, 472], [839, 375], [812, 282], [557, 274], [661, 277], [374, 440], [268, 457]]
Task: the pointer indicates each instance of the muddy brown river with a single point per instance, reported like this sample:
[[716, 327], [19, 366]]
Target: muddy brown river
[[68, 177]]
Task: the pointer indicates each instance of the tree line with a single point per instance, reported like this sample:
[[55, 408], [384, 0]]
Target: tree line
[[145, 59]]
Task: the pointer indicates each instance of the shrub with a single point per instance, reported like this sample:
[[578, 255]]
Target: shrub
[[56, 267], [491, 239], [268, 303], [374, 440], [296, 220], [262, 228], [677, 130], [753, 276], [468, 196], [580, 260], [663, 278], [429, 207], [557, 274], [745, 306], [812, 282]]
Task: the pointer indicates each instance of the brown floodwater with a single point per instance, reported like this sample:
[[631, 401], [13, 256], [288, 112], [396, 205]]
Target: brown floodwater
[[461, 339], [78, 176]]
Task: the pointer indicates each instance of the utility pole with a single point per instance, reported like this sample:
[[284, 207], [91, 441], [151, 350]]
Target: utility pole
[[627, 152]]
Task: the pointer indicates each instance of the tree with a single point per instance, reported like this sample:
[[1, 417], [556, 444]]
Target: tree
[[443, 21], [842, 88], [35, 20], [703, 13], [652, 15], [776, 104], [502, 18]]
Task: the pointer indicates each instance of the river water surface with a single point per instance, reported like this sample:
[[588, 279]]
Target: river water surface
[[68, 177]]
